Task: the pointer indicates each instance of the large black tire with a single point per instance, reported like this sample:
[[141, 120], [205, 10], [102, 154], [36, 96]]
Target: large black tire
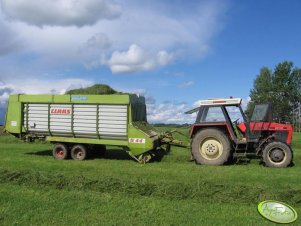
[[211, 147], [79, 152], [277, 154], [60, 151]]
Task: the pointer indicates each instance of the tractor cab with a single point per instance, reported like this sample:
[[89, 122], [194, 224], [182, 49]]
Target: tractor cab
[[261, 119], [222, 125], [225, 114]]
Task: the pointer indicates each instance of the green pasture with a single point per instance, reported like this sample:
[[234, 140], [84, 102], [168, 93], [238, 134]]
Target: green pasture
[[36, 189]]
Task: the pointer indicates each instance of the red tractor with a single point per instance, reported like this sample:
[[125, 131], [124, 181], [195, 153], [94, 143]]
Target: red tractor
[[222, 132]]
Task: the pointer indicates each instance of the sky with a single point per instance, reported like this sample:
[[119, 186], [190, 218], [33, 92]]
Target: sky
[[174, 52]]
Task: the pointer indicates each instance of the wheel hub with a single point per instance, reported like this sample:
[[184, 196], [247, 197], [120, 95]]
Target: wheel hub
[[79, 154], [60, 153], [277, 155], [211, 148]]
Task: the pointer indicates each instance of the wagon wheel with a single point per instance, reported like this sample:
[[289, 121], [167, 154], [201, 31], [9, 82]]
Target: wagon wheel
[[60, 151], [79, 152]]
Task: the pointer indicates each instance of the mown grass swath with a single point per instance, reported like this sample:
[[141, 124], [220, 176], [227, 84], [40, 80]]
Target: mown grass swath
[[114, 189]]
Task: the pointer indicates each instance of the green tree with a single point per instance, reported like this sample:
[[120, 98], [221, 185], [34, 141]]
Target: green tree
[[280, 87], [95, 89]]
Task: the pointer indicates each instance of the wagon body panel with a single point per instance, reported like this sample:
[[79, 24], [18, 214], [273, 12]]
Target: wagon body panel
[[86, 119]]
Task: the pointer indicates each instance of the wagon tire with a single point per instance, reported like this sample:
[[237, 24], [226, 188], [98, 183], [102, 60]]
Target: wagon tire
[[60, 152], [79, 152], [277, 154], [211, 147]]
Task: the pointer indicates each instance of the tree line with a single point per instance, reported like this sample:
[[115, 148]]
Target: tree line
[[281, 87]]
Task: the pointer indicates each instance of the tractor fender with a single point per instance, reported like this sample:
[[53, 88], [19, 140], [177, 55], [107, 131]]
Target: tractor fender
[[266, 141], [195, 128], [263, 143]]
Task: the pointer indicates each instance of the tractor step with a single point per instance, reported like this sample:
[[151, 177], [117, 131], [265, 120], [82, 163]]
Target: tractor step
[[241, 142], [241, 146], [240, 155]]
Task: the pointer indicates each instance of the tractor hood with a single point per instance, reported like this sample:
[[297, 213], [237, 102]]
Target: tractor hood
[[282, 132]]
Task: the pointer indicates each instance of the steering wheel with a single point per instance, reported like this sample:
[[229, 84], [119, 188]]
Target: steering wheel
[[235, 121]]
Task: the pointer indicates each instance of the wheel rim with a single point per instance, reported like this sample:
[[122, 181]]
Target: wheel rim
[[59, 153], [78, 153], [277, 156], [210, 148]]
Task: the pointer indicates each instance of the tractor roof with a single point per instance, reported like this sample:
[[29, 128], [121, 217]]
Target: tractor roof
[[217, 102], [220, 101]]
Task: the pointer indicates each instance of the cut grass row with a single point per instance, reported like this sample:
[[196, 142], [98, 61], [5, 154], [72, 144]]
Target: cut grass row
[[22, 205]]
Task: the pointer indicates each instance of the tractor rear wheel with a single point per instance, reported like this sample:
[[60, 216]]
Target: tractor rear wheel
[[211, 147], [79, 152], [60, 151], [277, 154]]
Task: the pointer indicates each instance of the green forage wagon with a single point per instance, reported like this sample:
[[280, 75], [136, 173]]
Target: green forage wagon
[[76, 124]]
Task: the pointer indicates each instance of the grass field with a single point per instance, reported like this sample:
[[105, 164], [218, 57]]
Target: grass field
[[115, 190]]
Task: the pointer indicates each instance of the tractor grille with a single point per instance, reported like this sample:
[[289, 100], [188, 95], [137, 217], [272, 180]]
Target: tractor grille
[[281, 136]]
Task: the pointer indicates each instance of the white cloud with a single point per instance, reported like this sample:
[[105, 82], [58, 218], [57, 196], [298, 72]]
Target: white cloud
[[9, 40], [152, 28], [98, 41], [137, 59], [36, 86], [162, 36], [5, 90], [163, 112], [186, 84], [245, 102], [94, 49], [60, 12], [164, 58], [168, 112]]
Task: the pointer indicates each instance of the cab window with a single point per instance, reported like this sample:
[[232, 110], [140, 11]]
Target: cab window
[[235, 114], [213, 114], [260, 113]]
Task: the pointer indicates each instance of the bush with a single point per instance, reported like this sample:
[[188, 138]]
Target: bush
[[97, 89]]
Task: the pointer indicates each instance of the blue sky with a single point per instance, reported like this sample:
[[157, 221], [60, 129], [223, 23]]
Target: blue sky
[[173, 52]]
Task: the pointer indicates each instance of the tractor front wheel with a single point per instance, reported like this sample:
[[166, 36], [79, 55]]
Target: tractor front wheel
[[211, 147], [277, 154]]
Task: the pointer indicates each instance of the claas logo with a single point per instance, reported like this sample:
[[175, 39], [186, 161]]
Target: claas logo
[[60, 111]]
